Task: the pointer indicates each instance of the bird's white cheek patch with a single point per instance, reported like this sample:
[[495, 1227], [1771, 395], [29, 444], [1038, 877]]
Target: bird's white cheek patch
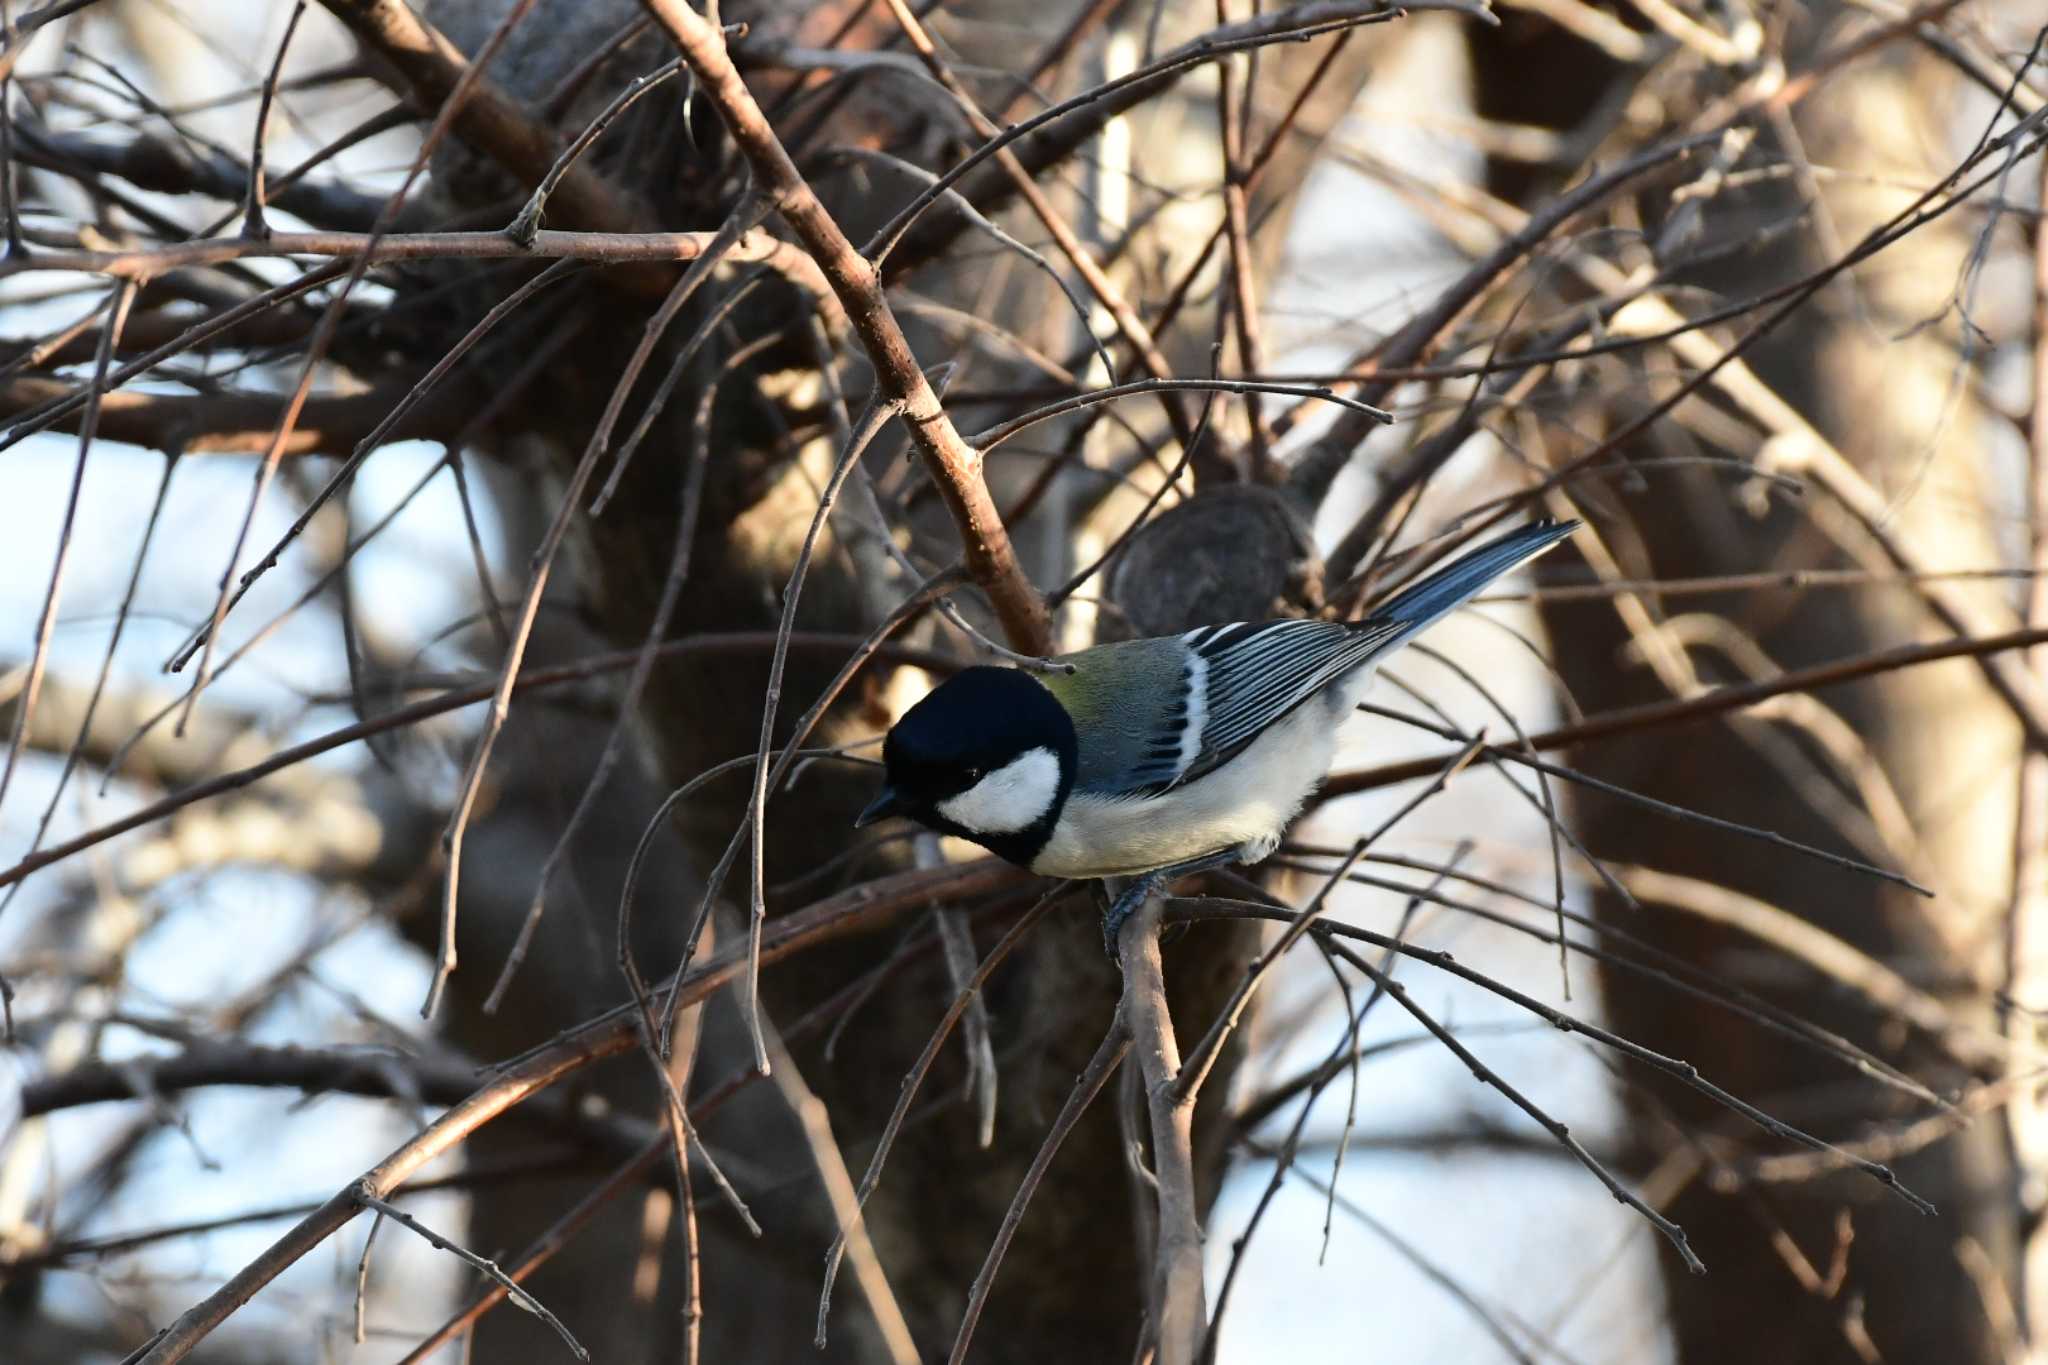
[[1014, 797]]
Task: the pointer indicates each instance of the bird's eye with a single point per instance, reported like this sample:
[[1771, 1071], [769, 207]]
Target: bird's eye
[[974, 774]]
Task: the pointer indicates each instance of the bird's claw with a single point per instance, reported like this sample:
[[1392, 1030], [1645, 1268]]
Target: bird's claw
[[1123, 907]]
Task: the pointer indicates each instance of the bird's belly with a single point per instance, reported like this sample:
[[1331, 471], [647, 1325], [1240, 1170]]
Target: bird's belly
[[1246, 804]]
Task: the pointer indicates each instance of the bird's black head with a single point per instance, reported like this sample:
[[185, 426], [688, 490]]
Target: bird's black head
[[987, 755]]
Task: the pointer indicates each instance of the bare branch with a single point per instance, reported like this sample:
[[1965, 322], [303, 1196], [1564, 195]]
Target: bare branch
[[606, 1036], [491, 120], [1179, 1309], [954, 465]]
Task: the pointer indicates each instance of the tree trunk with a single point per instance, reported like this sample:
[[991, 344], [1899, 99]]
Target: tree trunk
[[1828, 1270], [1072, 1285]]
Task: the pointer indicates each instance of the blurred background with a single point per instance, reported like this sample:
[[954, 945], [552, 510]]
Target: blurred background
[[1755, 289]]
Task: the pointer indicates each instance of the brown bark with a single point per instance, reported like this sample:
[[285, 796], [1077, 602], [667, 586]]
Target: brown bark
[[1072, 1285], [1909, 1292]]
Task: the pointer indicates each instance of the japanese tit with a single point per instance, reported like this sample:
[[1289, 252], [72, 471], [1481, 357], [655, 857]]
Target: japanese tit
[[1159, 757]]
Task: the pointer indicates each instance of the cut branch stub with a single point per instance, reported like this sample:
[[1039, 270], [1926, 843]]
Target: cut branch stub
[[1234, 553]]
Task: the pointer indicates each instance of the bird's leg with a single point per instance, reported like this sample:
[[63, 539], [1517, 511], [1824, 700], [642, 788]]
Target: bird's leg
[[1143, 888], [1124, 906]]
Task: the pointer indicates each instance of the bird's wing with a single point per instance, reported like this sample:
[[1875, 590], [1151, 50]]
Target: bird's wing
[[1180, 707], [1255, 674], [1251, 674]]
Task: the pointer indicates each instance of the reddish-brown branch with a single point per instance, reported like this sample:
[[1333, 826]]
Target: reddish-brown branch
[[861, 908], [954, 465], [1718, 702]]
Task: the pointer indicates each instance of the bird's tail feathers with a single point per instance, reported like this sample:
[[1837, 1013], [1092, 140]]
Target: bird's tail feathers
[[1415, 608]]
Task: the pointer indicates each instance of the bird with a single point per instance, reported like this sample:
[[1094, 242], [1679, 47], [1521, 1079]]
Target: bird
[[1158, 758]]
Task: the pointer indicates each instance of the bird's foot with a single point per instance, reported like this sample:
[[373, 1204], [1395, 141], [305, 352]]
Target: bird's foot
[[1151, 884], [1124, 906]]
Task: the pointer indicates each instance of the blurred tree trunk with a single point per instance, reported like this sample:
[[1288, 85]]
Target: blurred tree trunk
[[1071, 1286], [1897, 403]]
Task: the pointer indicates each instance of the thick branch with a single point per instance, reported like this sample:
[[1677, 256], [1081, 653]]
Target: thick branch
[[238, 423], [1180, 1314], [954, 465], [602, 248], [314, 1070], [491, 120], [166, 166]]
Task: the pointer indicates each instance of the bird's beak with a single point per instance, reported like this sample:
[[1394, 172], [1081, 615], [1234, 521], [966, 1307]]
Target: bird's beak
[[888, 803]]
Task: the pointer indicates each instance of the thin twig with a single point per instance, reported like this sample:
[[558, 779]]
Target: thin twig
[[1715, 702], [345, 474], [956, 949], [996, 435], [369, 1199], [253, 224], [543, 563], [46, 624], [363, 1276], [785, 761], [1769, 836], [99, 686], [323, 336], [1189, 1081], [1487, 1076], [543, 1249], [629, 705], [355, 249], [1108, 1056], [865, 430], [1684, 1072], [968, 991], [526, 223], [1128, 324], [744, 642], [1296, 24], [1644, 960], [846, 1211], [606, 1036]]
